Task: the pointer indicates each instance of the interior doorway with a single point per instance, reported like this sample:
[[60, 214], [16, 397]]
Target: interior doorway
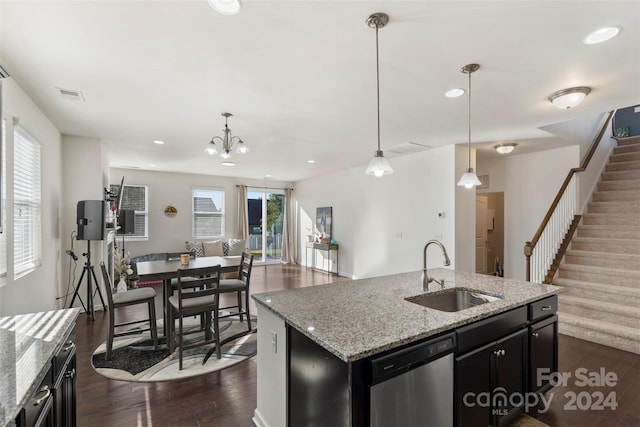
[[490, 233]]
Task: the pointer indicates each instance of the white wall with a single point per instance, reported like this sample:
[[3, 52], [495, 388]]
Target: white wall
[[168, 234], [588, 180], [529, 182], [370, 214], [37, 290]]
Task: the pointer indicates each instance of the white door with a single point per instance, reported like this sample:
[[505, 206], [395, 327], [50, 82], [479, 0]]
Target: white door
[[481, 234]]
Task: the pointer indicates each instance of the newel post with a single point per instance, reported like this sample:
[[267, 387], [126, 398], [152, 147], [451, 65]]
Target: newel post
[[527, 254]]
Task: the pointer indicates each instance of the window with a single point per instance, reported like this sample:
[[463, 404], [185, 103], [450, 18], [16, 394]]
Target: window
[[135, 197], [208, 213], [27, 235], [3, 235]]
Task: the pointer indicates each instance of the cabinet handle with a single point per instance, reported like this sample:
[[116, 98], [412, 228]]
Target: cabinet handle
[[503, 352], [47, 392], [499, 352], [546, 308], [71, 373], [68, 346], [534, 334]]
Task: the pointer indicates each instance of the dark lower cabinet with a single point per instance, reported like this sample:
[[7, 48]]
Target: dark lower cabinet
[[487, 379], [64, 395], [543, 354]]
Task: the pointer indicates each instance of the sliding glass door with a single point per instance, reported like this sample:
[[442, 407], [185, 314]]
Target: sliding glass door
[[266, 214]]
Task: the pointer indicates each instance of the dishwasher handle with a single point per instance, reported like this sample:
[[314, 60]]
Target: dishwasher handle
[[398, 362]]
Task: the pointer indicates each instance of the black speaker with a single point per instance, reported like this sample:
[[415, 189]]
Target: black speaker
[[126, 221], [90, 219]]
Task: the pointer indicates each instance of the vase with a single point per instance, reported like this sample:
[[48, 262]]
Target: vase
[[122, 285]]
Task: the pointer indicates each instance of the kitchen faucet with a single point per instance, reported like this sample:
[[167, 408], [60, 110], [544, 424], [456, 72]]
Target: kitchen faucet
[[425, 277]]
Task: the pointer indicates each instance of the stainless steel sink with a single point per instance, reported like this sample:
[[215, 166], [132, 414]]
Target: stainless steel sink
[[454, 299]]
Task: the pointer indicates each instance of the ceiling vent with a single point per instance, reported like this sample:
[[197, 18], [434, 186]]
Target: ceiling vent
[[72, 95], [407, 148]]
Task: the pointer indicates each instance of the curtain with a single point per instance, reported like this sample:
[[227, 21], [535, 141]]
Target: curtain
[[288, 230], [243, 216]]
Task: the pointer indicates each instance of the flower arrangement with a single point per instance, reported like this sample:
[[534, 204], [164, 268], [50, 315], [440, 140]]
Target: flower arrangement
[[122, 264]]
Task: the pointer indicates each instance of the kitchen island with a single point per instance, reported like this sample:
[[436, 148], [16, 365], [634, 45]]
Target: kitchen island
[[38, 369], [317, 345]]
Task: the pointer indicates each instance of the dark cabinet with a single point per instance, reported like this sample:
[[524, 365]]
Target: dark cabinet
[[487, 377], [543, 353]]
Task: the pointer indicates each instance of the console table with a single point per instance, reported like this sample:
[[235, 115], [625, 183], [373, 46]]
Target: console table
[[328, 248]]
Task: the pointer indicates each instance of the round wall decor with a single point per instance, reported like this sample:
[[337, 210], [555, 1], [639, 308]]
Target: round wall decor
[[170, 211]]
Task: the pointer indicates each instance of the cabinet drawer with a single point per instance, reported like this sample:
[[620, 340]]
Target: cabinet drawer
[[61, 359], [543, 308], [490, 329]]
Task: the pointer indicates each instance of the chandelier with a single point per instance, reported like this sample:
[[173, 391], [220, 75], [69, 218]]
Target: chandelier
[[226, 143]]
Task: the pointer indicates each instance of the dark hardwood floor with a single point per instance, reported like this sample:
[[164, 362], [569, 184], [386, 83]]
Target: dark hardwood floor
[[228, 398]]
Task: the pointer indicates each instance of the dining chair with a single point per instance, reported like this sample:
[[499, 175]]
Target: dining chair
[[239, 285], [197, 294], [123, 299]]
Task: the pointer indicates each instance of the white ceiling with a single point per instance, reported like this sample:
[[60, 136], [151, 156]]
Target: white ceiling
[[299, 76]]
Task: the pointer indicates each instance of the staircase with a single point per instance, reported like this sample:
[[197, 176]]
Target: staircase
[[601, 270]]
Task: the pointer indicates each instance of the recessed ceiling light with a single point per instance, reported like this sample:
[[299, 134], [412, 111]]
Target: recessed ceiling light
[[152, 165], [454, 93], [311, 161], [225, 7], [157, 141], [602, 35], [268, 176], [228, 164]]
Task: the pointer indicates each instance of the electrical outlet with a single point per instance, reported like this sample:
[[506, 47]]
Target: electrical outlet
[[274, 341]]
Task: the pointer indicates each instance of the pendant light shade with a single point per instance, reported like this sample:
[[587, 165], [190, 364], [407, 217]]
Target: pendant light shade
[[469, 179], [378, 166]]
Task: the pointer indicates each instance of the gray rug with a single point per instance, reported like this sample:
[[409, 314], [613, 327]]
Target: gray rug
[[134, 358]]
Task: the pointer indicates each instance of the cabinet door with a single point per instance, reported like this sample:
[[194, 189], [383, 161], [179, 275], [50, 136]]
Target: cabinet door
[[543, 353], [509, 361], [472, 386]]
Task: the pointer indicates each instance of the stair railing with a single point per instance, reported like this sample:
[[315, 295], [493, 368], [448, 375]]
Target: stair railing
[[542, 249]]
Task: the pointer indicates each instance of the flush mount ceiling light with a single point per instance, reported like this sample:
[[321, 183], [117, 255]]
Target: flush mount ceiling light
[[602, 35], [505, 148], [469, 179], [568, 98], [227, 142], [226, 7], [378, 166], [454, 93]]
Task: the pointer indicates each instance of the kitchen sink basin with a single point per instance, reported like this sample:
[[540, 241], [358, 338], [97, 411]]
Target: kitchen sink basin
[[454, 299]]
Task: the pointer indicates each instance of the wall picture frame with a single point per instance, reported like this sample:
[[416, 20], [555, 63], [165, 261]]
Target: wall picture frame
[[324, 220]]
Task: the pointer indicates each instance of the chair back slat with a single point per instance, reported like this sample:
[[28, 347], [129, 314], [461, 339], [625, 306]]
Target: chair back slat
[[246, 264], [108, 285]]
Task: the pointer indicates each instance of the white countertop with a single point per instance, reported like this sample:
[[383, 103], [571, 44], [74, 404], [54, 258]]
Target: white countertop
[[359, 318], [28, 343]]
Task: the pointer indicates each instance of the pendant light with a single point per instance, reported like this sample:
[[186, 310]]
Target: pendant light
[[378, 166], [469, 179]]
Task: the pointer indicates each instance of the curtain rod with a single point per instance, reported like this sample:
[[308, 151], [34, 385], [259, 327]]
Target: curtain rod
[[266, 188]]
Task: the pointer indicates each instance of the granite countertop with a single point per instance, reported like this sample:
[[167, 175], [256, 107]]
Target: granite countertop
[[28, 343], [359, 318]]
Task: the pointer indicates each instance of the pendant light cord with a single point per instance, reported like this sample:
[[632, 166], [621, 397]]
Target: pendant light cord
[[378, 83], [469, 121]]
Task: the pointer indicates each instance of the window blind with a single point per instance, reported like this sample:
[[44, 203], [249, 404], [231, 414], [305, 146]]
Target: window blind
[[208, 213], [3, 194], [27, 206]]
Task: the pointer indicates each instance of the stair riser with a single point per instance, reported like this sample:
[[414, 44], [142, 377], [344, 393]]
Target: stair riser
[[623, 166], [612, 247], [616, 196], [601, 295], [620, 175], [610, 233], [597, 261], [598, 337], [625, 157], [606, 277], [630, 184], [629, 148], [589, 313], [599, 207], [612, 219]]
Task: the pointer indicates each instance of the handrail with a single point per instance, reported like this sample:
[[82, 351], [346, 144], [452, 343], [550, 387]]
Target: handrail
[[530, 245]]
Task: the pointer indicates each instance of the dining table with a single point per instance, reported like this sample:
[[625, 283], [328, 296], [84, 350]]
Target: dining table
[[166, 270]]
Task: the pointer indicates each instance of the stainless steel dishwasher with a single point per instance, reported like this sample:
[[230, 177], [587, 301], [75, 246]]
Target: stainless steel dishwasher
[[413, 387]]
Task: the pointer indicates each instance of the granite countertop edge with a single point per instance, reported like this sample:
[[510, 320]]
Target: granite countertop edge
[[515, 294]]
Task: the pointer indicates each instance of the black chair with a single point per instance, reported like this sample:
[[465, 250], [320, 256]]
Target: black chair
[[197, 294], [239, 285], [123, 299]]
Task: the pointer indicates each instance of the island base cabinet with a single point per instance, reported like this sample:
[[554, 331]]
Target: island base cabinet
[[490, 382], [543, 354]]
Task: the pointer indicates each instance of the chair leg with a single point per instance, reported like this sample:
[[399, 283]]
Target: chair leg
[[240, 304], [110, 333], [246, 309], [180, 342], [152, 323], [216, 334], [171, 344]]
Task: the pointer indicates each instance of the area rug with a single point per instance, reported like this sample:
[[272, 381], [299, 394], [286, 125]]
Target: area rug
[[525, 420], [134, 358]]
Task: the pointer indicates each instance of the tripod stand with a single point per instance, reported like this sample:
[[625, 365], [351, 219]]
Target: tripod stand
[[90, 272]]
